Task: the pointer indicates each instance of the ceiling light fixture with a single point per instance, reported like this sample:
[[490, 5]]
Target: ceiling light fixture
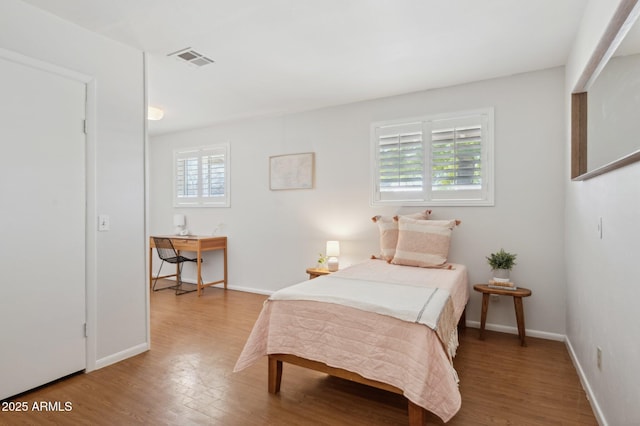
[[155, 113]]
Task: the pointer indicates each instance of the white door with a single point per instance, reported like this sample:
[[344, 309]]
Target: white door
[[42, 227]]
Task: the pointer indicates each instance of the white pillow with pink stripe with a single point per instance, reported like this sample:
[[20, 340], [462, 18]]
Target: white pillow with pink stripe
[[423, 243], [388, 228]]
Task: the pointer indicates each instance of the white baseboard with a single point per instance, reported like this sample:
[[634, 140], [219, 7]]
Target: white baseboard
[[514, 330], [231, 287], [122, 355], [251, 290], [585, 385]]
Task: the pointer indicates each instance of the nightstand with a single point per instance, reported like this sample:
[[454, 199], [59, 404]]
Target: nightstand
[[315, 272], [517, 294]]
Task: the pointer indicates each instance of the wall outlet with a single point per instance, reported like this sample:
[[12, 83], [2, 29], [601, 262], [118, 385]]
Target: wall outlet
[[495, 298], [599, 357]]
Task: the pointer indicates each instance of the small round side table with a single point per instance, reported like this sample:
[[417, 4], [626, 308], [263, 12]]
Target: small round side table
[[517, 295]]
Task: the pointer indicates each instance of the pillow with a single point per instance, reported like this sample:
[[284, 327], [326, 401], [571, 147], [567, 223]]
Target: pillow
[[388, 228], [423, 243]]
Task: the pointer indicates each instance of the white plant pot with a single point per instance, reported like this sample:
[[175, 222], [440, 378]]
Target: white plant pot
[[501, 275]]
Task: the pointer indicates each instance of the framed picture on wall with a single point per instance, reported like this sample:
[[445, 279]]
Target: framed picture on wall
[[291, 171]]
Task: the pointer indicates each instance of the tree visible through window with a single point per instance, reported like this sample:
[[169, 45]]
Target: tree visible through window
[[456, 158], [445, 160]]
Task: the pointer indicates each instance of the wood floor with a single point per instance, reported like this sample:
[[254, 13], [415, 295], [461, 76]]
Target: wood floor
[[186, 379]]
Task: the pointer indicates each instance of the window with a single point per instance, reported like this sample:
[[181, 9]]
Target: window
[[439, 160], [201, 176]]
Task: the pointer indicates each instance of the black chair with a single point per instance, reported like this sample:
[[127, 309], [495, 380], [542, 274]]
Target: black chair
[[168, 254]]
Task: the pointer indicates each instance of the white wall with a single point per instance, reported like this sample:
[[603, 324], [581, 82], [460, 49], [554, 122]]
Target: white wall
[[275, 235], [117, 303], [602, 274]]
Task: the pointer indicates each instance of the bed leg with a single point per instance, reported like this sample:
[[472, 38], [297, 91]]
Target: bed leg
[[275, 375], [417, 415], [462, 323]]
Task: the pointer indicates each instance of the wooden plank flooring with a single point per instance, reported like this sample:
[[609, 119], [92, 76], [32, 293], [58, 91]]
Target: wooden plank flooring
[[187, 379]]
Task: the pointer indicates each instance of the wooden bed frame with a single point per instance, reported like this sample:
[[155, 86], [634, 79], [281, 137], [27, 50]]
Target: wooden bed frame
[[417, 414]]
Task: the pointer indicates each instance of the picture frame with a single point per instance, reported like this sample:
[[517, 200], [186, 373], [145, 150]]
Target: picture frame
[[292, 171]]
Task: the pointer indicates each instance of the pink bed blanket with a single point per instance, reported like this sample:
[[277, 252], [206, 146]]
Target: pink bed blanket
[[407, 355]]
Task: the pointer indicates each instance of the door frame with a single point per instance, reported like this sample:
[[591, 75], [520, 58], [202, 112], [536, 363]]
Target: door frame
[[91, 273]]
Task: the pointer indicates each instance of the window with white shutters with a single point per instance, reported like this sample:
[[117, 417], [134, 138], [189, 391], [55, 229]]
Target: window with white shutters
[[201, 177], [437, 160], [401, 158]]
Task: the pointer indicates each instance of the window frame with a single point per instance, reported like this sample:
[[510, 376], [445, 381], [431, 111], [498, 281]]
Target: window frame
[[199, 200], [482, 197]]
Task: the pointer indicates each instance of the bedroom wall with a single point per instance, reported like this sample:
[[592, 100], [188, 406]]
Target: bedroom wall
[[275, 235], [602, 274], [116, 299]]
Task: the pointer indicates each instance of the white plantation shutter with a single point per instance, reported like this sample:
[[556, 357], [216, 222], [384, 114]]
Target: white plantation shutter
[[202, 177], [459, 159], [442, 160], [187, 175], [213, 173], [400, 159]]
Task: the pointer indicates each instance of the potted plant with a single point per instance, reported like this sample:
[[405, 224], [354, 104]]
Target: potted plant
[[501, 263], [322, 261]]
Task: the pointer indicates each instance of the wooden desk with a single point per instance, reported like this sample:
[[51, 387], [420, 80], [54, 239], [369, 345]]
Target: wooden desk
[[517, 294], [197, 244]]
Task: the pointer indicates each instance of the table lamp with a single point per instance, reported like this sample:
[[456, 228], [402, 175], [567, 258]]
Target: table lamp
[[179, 222], [333, 251]]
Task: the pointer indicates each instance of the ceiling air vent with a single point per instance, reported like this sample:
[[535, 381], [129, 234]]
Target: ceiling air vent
[[192, 57]]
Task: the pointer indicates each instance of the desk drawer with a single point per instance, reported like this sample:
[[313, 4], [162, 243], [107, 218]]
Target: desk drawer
[[188, 245]]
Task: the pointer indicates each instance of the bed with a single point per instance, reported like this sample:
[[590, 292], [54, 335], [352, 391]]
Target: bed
[[385, 325]]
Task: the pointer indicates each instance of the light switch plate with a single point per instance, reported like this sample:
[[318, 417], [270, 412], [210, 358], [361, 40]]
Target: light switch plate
[[103, 222]]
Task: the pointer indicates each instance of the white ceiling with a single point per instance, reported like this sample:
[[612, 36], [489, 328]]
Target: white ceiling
[[280, 56]]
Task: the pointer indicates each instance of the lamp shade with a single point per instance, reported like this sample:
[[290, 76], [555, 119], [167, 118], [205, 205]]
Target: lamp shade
[[333, 248], [178, 220]]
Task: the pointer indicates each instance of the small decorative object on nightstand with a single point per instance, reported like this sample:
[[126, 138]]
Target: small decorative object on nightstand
[[517, 294], [316, 272], [322, 261]]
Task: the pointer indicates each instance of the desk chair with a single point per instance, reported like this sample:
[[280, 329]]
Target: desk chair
[[168, 254]]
